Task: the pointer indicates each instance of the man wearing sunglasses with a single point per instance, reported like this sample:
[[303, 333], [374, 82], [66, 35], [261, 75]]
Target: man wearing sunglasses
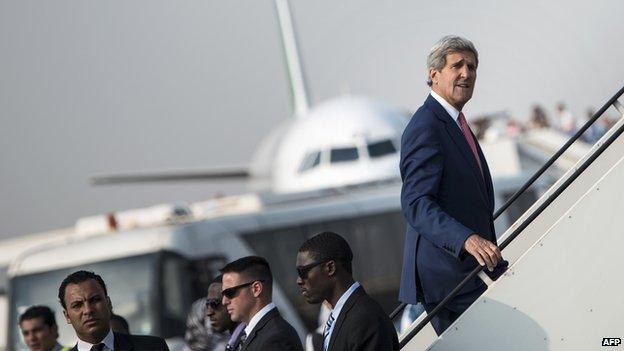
[[356, 321], [219, 318], [247, 296]]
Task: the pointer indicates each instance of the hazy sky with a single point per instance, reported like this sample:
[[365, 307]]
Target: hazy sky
[[90, 87]]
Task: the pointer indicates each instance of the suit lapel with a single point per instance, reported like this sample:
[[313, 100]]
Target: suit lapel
[[487, 178], [462, 145], [122, 342], [261, 323], [343, 315]]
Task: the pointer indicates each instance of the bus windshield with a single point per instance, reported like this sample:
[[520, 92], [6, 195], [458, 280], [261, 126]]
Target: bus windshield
[[131, 285]]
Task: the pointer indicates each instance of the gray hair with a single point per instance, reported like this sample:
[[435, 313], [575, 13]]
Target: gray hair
[[447, 45]]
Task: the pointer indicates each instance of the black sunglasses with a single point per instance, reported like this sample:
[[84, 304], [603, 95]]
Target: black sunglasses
[[303, 271], [213, 303], [231, 293]]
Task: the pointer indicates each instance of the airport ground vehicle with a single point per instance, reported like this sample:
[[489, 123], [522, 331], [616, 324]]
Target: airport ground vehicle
[[154, 272]]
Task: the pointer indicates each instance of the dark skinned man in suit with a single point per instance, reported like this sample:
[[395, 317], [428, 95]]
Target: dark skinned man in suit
[[356, 322]]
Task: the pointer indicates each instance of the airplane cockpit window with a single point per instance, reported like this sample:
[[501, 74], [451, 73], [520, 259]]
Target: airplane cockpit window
[[381, 148], [310, 161], [343, 154]]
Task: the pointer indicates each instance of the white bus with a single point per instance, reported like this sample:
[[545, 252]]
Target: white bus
[[154, 273]]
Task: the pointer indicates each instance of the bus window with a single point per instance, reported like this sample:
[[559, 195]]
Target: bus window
[[130, 282], [279, 247], [175, 295], [202, 272], [3, 280], [377, 244]]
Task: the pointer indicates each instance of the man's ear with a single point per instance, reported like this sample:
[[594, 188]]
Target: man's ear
[[330, 268], [257, 288], [110, 304], [66, 316], [432, 76], [55, 330]]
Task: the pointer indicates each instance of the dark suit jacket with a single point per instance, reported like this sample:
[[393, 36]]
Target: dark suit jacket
[[272, 333], [444, 199], [125, 342], [363, 326]]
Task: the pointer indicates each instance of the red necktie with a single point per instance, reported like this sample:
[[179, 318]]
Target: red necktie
[[468, 135]]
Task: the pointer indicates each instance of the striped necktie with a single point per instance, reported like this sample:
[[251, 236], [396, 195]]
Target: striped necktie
[[328, 326], [241, 341], [98, 347]]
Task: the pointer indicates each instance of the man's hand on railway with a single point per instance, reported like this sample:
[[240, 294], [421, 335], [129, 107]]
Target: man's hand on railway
[[485, 251]]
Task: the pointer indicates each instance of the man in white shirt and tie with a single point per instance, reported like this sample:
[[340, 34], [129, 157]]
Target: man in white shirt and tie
[[247, 296], [87, 307]]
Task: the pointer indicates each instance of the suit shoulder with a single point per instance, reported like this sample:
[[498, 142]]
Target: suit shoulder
[[365, 319], [283, 326], [424, 116], [148, 342], [423, 121], [282, 331], [366, 309], [281, 342]]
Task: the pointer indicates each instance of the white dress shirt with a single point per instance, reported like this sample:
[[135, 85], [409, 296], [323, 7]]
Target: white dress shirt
[[336, 311], [257, 317], [109, 341], [452, 111]]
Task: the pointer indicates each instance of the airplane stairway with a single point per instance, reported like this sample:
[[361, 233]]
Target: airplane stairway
[[563, 289]]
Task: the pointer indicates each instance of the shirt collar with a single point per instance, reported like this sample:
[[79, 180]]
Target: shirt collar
[[57, 347], [257, 317], [452, 111], [343, 299], [109, 341]]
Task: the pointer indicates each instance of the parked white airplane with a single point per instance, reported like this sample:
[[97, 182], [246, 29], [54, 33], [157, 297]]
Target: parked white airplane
[[333, 166], [345, 141]]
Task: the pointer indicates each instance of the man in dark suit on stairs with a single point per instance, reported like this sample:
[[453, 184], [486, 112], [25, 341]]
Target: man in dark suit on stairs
[[247, 294], [356, 322], [87, 307], [447, 195]]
